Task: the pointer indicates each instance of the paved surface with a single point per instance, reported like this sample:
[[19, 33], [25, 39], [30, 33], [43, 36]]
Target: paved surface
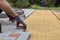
[[43, 25], [20, 36], [9, 28], [27, 12]]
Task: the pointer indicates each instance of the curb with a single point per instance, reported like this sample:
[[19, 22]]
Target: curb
[[55, 13]]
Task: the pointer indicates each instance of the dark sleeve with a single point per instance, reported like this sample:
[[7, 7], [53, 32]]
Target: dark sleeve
[[0, 10]]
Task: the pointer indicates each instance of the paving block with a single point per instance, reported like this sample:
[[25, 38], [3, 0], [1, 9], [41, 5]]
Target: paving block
[[24, 36], [3, 15], [10, 28], [24, 13], [27, 12], [20, 12], [9, 32], [5, 21], [21, 36]]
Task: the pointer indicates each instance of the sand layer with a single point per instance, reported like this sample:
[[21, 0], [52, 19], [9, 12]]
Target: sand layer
[[43, 25]]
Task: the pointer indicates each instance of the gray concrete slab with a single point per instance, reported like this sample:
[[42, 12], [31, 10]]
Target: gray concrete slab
[[20, 12], [27, 12], [5, 21], [3, 16], [21, 36], [9, 27], [24, 13], [24, 36]]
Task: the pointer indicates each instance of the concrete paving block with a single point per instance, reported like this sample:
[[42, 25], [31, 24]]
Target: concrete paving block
[[5, 36], [5, 21], [21, 36], [3, 16], [19, 12], [24, 36], [27, 12], [10, 28], [23, 13]]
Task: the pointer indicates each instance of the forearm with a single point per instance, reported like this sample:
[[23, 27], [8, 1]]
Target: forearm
[[4, 5]]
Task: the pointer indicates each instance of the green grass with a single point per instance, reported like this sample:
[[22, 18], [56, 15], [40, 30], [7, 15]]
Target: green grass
[[45, 8], [40, 7]]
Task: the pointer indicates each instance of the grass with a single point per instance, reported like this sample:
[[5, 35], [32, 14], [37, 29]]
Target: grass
[[42, 8], [45, 8]]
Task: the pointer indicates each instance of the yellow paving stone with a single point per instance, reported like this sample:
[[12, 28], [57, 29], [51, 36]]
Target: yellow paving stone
[[43, 25]]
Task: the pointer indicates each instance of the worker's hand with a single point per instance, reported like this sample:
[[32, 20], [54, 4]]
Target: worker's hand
[[20, 23], [12, 19]]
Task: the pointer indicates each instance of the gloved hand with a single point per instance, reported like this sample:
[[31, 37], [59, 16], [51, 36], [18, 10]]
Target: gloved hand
[[12, 19], [20, 21]]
